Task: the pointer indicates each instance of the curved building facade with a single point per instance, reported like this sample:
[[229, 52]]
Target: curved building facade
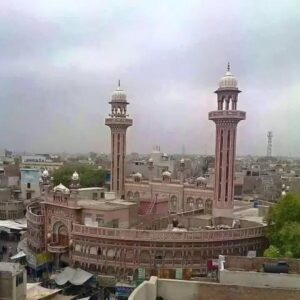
[[162, 224]]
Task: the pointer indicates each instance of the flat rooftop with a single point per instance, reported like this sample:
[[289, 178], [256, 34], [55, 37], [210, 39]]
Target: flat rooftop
[[105, 205], [10, 267]]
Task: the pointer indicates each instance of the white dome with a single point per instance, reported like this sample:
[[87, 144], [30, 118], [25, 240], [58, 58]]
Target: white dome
[[150, 160], [119, 94], [201, 179], [166, 173], [75, 176], [182, 161], [139, 175], [61, 188], [45, 173], [228, 81]]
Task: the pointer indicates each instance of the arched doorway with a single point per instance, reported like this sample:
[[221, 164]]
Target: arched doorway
[[60, 234], [136, 197]]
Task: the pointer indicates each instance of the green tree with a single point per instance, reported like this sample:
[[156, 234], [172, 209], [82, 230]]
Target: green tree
[[89, 175], [284, 227], [272, 252]]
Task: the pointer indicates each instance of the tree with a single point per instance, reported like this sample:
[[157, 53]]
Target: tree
[[89, 175], [93, 155], [284, 227]]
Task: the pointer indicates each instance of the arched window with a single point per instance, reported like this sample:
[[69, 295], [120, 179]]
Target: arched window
[[130, 196], [199, 203], [136, 196], [173, 204], [190, 203]]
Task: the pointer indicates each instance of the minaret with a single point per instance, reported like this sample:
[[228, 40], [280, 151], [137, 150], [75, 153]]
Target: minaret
[[226, 118], [118, 122], [74, 186], [45, 182], [269, 147]]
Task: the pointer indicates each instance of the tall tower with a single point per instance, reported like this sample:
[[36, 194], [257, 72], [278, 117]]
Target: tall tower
[[269, 147], [118, 122], [226, 119]]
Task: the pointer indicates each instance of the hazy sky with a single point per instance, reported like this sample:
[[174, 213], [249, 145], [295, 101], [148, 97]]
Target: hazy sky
[[60, 61]]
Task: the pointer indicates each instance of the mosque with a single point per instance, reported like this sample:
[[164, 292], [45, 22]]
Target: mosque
[[151, 227]]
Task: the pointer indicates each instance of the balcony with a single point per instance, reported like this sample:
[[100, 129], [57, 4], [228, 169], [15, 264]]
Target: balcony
[[124, 122], [57, 248], [167, 236], [227, 114]]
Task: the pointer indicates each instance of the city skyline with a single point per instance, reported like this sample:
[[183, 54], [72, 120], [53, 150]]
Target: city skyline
[[54, 90]]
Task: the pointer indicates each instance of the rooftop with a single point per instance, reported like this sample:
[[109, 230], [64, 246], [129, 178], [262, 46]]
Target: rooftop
[[10, 267], [104, 205]]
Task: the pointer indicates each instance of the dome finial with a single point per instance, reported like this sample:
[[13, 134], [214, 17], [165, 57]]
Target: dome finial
[[228, 67], [119, 83]]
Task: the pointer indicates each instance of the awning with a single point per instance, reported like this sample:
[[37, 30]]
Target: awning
[[11, 224], [75, 277], [63, 277], [80, 277], [36, 292], [18, 255]]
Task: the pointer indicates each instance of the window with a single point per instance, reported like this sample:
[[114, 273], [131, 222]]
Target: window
[[115, 223], [19, 279], [28, 195], [95, 196], [100, 221], [28, 185]]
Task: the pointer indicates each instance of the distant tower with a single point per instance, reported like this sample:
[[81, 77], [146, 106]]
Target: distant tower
[[183, 150], [118, 122], [226, 119], [269, 147]]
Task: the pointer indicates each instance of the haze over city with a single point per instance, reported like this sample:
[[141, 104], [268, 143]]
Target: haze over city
[[60, 63]]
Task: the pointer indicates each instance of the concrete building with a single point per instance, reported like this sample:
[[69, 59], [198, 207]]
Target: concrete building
[[12, 172], [30, 183], [12, 281], [39, 162], [11, 206], [236, 280]]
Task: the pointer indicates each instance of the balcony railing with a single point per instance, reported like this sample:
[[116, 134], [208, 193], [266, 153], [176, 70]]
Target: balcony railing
[[118, 120], [82, 257], [34, 218], [167, 236], [56, 248], [235, 114]]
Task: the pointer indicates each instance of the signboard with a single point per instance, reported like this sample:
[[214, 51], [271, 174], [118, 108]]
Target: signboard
[[123, 291], [141, 273], [178, 274], [44, 257]]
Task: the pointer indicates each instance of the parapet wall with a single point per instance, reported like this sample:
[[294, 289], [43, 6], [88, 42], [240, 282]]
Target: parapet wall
[[256, 263], [193, 290], [225, 292], [259, 279]]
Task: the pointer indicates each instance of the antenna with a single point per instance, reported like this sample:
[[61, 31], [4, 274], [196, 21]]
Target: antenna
[[269, 146], [228, 66]]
